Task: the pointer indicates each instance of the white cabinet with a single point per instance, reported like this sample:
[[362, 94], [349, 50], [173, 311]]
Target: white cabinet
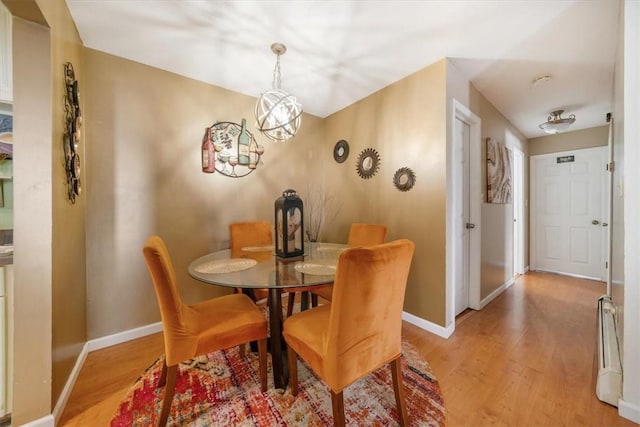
[[6, 281], [6, 73]]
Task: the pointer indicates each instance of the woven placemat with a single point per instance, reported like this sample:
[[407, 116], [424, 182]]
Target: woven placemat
[[225, 265], [258, 248], [317, 269], [330, 249]]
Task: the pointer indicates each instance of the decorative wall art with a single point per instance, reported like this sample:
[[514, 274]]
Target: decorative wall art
[[71, 137], [341, 151], [404, 179], [498, 172], [368, 163], [230, 149]]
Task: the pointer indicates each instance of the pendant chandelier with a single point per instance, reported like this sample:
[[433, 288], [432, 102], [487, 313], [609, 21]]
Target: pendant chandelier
[[555, 123], [278, 113]]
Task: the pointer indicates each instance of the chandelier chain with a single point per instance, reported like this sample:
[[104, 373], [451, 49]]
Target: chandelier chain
[[276, 73]]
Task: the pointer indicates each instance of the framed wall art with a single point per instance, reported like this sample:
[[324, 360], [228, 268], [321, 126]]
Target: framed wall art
[[230, 149], [498, 172]]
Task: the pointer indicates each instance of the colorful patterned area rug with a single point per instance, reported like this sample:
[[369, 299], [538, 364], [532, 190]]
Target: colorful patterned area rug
[[223, 389]]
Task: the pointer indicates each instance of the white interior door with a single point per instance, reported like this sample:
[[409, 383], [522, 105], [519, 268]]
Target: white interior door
[[462, 136], [518, 211], [464, 201], [570, 213]]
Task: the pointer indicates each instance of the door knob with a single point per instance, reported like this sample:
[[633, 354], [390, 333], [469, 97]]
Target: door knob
[[595, 222], [470, 226]]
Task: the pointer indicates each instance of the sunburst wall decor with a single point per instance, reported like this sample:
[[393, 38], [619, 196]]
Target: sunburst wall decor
[[404, 179], [368, 163]]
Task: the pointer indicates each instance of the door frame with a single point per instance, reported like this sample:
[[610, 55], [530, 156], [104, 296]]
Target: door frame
[[533, 217], [454, 178]]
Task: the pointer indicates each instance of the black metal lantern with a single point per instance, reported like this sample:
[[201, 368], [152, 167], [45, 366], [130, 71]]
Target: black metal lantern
[[289, 225]]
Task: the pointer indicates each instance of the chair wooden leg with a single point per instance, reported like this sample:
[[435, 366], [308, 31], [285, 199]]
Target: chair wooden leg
[[337, 404], [172, 372], [242, 348], [262, 357], [314, 300], [293, 370], [291, 301], [163, 375], [398, 389]]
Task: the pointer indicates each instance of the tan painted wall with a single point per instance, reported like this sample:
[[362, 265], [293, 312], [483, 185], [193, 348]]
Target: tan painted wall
[[144, 130], [33, 205], [497, 219], [567, 141], [69, 283], [406, 124]]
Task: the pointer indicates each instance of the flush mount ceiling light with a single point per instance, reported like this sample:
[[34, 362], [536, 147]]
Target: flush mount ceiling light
[[278, 113], [541, 80], [555, 123]]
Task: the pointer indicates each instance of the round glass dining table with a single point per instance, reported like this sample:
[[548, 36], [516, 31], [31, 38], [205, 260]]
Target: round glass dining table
[[257, 267]]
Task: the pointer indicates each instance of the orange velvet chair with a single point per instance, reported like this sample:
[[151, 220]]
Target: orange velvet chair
[[359, 235], [194, 330], [254, 235], [360, 331]]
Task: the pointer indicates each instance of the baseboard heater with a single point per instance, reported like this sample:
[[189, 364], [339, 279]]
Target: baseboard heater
[[609, 382]]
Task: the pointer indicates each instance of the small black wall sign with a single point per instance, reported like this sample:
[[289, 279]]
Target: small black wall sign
[[565, 159]]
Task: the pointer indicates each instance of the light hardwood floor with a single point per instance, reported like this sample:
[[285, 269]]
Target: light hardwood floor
[[527, 359]]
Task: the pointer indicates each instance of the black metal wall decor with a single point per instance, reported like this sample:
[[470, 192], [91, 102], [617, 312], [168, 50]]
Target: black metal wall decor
[[289, 222], [341, 151], [71, 137], [230, 149], [368, 163], [404, 179]]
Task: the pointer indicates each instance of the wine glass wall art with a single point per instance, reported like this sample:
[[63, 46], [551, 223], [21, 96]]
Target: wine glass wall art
[[230, 149]]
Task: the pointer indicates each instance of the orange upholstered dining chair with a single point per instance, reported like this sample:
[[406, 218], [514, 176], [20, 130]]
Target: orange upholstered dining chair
[[254, 240], [194, 330], [359, 235], [360, 331]]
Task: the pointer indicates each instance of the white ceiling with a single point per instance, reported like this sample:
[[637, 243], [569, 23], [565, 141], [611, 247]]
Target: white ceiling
[[341, 51]]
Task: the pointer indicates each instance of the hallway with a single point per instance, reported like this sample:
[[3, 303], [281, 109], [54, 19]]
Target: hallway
[[528, 358]]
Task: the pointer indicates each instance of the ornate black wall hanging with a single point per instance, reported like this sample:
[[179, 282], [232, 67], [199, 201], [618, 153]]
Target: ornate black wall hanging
[[71, 137]]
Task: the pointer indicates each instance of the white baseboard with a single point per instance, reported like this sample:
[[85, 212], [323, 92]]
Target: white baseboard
[[429, 326], [71, 381], [629, 411], [46, 421], [526, 269], [89, 346], [500, 289], [120, 337]]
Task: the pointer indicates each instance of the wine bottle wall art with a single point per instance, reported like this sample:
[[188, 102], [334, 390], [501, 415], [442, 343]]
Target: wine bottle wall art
[[236, 152]]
